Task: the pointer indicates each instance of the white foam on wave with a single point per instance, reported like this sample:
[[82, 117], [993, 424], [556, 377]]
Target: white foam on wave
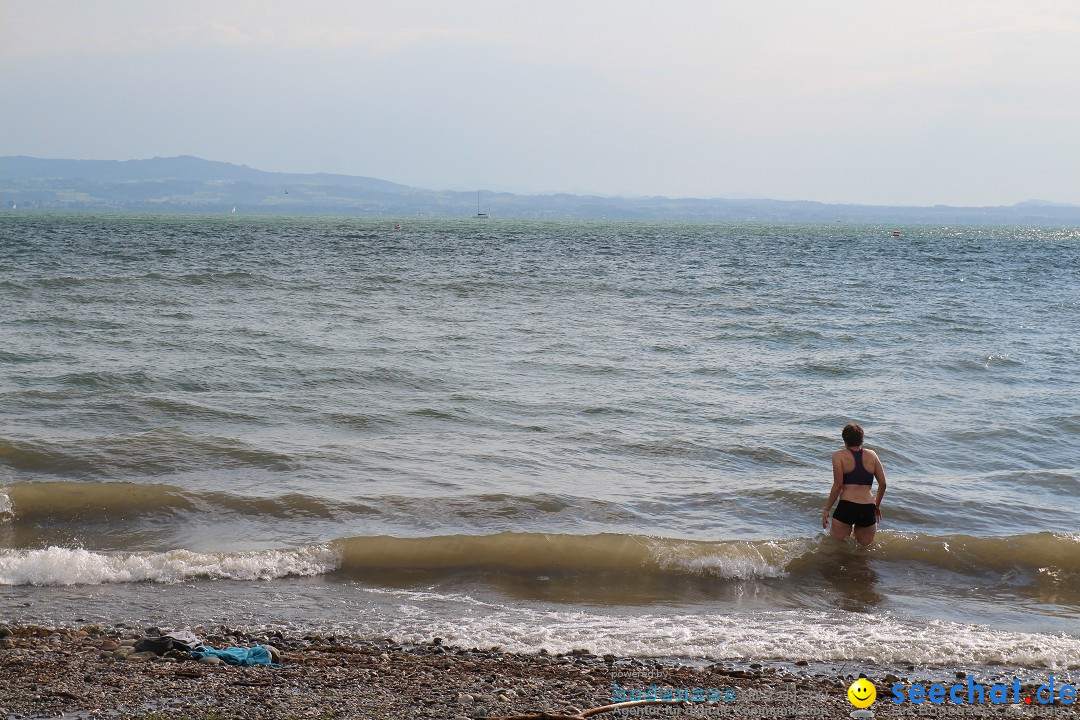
[[878, 639], [7, 510], [76, 566], [734, 560]]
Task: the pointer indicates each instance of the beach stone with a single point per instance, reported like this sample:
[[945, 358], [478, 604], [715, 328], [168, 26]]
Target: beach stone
[[890, 678], [275, 654], [211, 661], [123, 652], [108, 645], [5, 631], [464, 699]]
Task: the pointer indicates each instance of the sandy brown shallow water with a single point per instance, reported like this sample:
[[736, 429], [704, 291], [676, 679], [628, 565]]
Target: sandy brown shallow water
[[54, 673]]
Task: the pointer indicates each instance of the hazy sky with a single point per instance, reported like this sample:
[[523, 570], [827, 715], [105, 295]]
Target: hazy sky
[[916, 102]]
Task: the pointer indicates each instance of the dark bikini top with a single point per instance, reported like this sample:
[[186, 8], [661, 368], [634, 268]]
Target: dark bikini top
[[859, 475]]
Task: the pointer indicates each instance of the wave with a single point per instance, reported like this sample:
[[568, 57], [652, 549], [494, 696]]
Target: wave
[[543, 554], [1045, 558], [70, 501], [80, 502], [527, 554], [158, 451], [241, 278], [1052, 555]]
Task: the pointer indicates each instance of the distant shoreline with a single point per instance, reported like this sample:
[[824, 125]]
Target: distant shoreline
[[189, 184], [887, 227]]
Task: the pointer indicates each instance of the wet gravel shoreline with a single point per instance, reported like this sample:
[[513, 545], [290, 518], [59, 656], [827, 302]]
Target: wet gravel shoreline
[[95, 672]]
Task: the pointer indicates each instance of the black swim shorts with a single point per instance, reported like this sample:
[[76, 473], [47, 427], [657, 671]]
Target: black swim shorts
[[857, 514]]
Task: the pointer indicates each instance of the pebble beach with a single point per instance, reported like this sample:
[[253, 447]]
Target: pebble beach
[[93, 672]]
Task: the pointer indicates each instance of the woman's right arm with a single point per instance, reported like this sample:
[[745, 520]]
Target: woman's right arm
[[837, 488], [879, 473]]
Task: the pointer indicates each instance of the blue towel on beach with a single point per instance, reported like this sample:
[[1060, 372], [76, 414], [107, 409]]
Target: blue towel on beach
[[236, 655]]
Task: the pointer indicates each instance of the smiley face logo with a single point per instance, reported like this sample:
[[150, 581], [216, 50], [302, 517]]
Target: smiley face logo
[[862, 693]]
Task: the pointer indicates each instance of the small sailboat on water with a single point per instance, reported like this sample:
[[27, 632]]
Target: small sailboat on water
[[484, 215]]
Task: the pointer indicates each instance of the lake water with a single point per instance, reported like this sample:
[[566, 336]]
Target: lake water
[[544, 434]]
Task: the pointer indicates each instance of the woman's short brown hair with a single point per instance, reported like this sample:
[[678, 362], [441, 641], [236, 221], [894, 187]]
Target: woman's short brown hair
[[853, 434]]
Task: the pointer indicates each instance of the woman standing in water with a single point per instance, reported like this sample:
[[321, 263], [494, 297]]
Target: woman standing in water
[[854, 470]]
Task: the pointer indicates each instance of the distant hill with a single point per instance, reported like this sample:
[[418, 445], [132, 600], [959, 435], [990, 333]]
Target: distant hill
[[192, 184], [1044, 203], [184, 167]]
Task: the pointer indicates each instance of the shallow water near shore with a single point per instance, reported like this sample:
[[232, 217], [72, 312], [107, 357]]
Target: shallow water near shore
[[543, 434]]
